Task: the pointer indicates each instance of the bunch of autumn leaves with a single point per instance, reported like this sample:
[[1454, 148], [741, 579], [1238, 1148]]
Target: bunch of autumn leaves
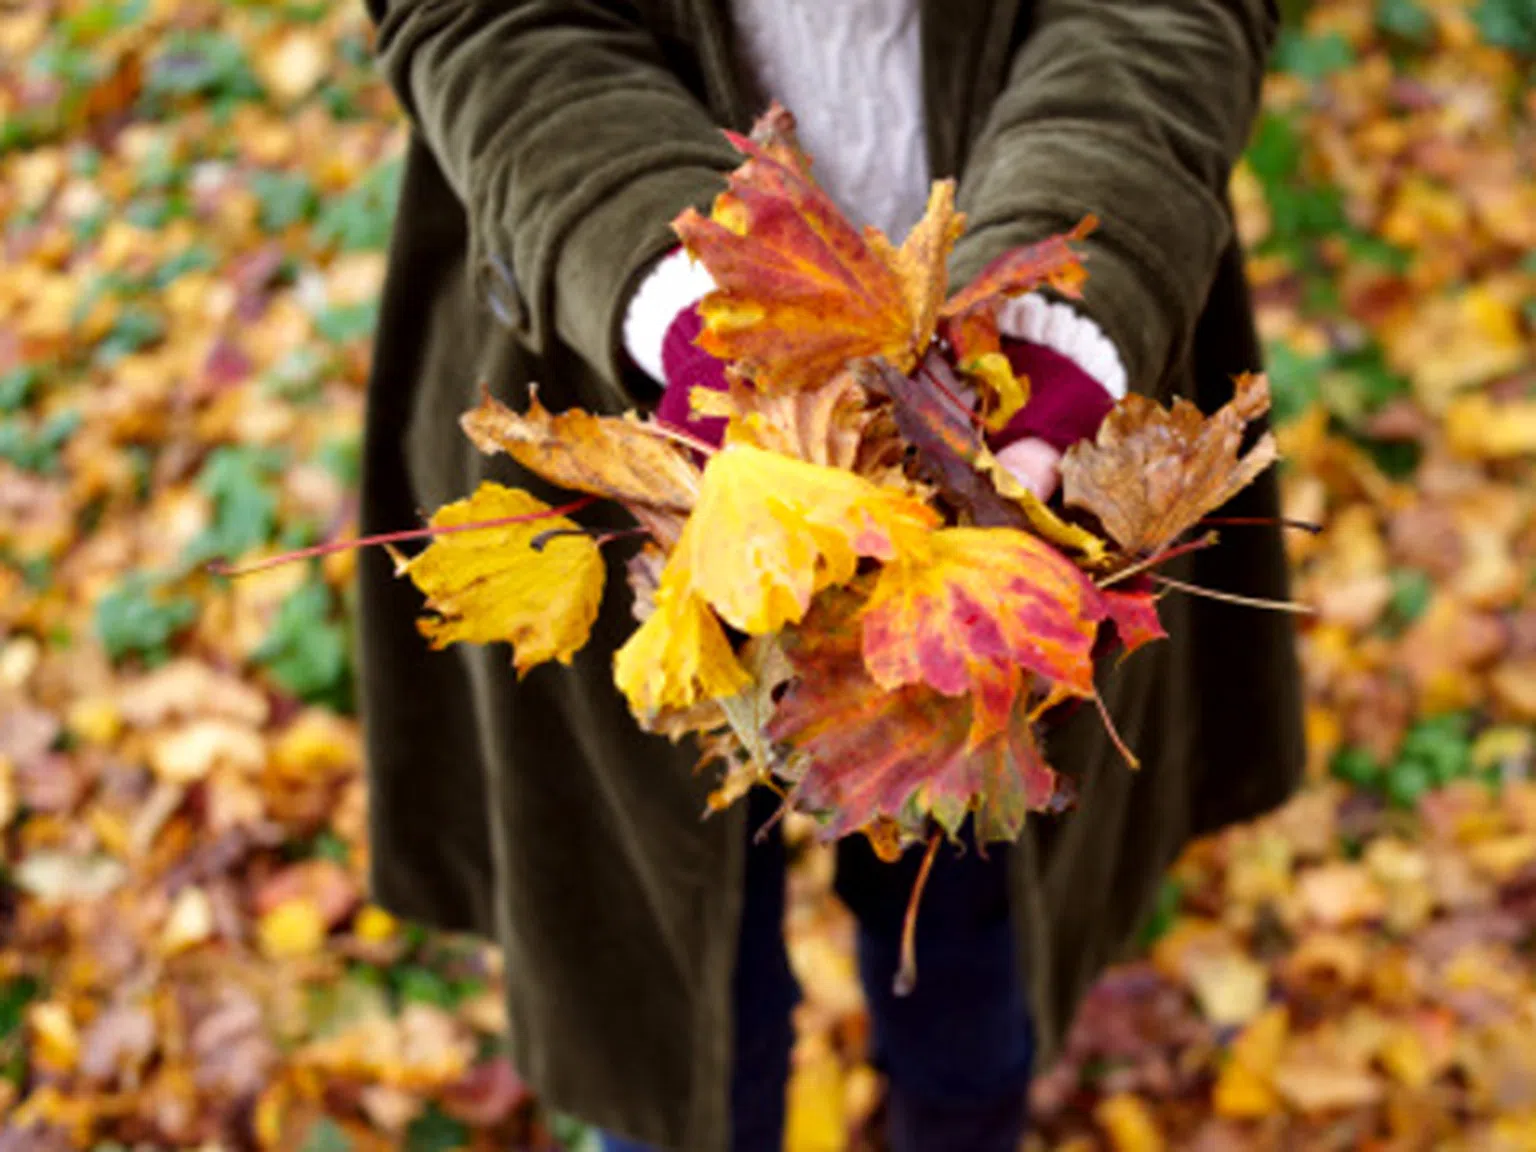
[[849, 595]]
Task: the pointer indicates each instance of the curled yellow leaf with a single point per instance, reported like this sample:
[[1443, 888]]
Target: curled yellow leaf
[[491, 584], [679, 656], [1003, 393], [1042, 518], [770, 531]]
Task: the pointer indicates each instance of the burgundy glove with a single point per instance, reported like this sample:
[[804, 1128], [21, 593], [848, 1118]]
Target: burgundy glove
[[1065, 404], [686, 367]]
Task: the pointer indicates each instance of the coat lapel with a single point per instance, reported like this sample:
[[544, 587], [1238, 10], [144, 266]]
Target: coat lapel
[[967, 47]]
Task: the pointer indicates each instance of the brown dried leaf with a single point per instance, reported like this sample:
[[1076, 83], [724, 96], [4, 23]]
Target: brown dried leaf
[[1152, 472], [610, 456]]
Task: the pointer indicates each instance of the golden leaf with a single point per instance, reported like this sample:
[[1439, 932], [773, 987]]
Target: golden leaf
[[1129, 1124], [679, 656], [1003, 393], [1042, 518], [771, 531], [823, 425], [491, 584]]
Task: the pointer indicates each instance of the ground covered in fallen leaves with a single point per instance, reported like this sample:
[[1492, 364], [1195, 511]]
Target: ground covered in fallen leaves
[[194, 201]]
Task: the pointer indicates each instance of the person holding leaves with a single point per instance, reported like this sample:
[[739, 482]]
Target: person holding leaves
[[553, 143]]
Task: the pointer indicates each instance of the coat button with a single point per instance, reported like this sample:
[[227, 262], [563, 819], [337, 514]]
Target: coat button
[[499, 288]]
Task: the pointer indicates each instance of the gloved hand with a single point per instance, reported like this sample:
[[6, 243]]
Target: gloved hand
[[1066, 405], [685, 366], [1067, 400]]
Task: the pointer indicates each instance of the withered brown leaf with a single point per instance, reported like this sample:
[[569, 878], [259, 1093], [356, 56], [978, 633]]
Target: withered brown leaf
[[1153, 472], [615, 457]]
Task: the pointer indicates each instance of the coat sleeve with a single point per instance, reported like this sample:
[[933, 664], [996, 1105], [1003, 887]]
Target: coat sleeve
[[570, 142], [1135, 112]]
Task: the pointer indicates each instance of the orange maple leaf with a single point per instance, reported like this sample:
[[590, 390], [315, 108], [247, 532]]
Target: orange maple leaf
[[974, 613], [860, 754], [970, 315], [801, 291]]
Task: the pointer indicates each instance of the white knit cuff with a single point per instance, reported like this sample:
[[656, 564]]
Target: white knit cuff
[[1064, 330], [673, 284], [677, 282]]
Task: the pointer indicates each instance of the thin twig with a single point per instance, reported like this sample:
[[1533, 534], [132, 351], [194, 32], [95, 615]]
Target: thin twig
[[221, 568], [1265, 521], [906, 973], [1234, 598], [1157, 558]]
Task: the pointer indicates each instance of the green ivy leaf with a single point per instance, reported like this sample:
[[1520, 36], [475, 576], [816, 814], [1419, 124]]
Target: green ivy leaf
[[1405, 19], [343, 323], [327, 1136], [342, 458], [1312, 57], [307, 651], [205, 64], [435, 1131], [1164, 913], [1507, 24], [1412, 590], [238, 479], [18, 386], [1356, 766], [35, 446], [136, 617], [361, 220], [285, 199], [1295, 381]]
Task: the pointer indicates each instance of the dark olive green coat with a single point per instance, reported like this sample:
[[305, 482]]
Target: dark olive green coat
[[554, 141]]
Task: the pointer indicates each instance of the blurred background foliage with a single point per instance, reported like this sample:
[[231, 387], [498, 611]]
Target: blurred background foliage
[[195, 199]]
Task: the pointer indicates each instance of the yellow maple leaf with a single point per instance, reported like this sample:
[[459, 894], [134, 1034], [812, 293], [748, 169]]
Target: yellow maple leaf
[[1246, 1085], [770, 531], [1042, 518], [679, 656], [294, 928], [491, 584], [815, 1119], [1129, 1123]]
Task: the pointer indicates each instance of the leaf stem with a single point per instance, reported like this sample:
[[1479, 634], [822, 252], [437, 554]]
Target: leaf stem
[[222, 568], [906, 972], [971, 414], [1234, 598], [541, 541], [1114, 733], [671, 432]]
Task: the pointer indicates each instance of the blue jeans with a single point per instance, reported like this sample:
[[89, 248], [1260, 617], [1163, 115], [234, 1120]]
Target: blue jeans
[[956, 1051]]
